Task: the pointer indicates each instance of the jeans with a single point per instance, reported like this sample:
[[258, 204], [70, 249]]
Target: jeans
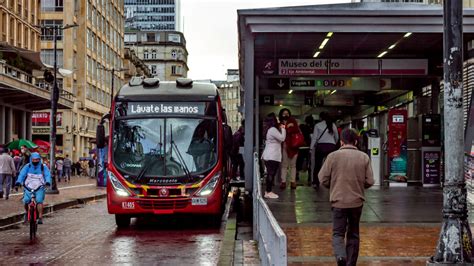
[[238, 163], [7, 178], [91, 171], [67, 172], [288, 162], [321, 152], [272, 169], [343, 219], [60, 174]]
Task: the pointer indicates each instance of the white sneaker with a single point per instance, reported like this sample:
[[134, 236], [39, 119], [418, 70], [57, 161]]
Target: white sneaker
[[270, 195]]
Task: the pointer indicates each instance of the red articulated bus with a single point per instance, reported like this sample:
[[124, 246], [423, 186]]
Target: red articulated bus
[[166, 150]]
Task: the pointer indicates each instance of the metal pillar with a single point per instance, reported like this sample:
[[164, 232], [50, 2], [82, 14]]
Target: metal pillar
[[249, 91], [455, 240], [23, 129], [54, 107], [29, 127]]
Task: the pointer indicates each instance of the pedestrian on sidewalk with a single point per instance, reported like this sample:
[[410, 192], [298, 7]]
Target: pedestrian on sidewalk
[[92, 167], [59, 168], [7, 171], [272, 153], [25, 156], [303, 160], [236, 153], [67, 167], [17, 161], [323, 142], [346, 172], [289, 152]]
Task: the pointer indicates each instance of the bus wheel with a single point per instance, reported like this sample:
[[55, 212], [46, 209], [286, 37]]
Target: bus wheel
[[122, 221]]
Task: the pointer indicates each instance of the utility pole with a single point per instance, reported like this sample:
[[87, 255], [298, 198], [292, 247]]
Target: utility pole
[[52, 117], [54, 107], [455, 240]]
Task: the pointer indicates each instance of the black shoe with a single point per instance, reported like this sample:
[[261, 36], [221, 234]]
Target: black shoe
[[1, 195], [40, 221], [341, 262], [6, 198]]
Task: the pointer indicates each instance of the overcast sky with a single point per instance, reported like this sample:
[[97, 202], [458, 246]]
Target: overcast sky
[[210, 29]]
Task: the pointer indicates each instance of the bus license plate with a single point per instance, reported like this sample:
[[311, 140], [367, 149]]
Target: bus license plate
[[199, 201], [128, 205]]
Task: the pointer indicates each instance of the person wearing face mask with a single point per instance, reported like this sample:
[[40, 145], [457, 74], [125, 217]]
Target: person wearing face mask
[[25, 156], [289, 154], [34, 175]]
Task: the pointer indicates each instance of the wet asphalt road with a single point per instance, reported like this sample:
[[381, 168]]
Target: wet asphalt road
[[87, 235]]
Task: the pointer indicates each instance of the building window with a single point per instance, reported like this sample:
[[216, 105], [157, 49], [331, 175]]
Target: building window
[[47, 34], [153, 54], [18, 34], [145, 54], [47, 57], [3, 19], [52, 5], [153, 69]]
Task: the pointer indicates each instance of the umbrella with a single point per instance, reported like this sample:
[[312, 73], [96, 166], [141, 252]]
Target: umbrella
[[16, 144]]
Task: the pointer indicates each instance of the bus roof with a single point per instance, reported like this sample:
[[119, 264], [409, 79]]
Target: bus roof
[[151, 89]]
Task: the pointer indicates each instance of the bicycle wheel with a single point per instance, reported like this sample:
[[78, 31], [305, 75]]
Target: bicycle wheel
[[33, 225]]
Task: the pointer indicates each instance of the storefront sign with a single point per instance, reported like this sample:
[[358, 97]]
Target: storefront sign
[[431, 167], [353, 67], [160, 108], [41, 119]]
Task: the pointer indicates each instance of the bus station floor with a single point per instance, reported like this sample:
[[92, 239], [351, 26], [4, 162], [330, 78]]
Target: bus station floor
[[399, 226]]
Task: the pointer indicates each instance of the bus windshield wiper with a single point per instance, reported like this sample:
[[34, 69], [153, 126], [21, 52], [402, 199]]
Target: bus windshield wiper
[[180, 157], [149, 163]]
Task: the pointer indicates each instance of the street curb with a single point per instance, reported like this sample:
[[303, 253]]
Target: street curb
[[226, 254], [11, 220]]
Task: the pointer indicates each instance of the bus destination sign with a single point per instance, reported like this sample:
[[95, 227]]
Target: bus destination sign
[[159, 108]]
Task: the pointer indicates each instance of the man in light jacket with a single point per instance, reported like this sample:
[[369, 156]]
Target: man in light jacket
[[346, 172], [7, 171]]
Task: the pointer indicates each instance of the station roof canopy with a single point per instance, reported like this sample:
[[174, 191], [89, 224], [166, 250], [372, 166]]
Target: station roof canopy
[[360, 30]]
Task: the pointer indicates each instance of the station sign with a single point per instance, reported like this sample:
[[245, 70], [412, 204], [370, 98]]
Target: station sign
[[336, 83], [352, 67], [279, 83]]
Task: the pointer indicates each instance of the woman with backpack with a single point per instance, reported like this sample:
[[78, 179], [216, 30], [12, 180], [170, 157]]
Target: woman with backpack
[[323, 141], [272, 153]]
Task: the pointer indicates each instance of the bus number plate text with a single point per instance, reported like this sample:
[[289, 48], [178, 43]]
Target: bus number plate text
[[199, 201], [128, 205]]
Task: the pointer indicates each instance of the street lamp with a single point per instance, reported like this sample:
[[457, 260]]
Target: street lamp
[[54, 106], [113, 70]]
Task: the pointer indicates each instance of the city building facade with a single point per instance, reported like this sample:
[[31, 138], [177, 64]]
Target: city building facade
[[91, 50], [20, 63], [162, 15], [164, 52], [230, 93], [134, 65]]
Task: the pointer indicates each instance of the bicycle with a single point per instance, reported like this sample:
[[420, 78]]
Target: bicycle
[[33, 214]]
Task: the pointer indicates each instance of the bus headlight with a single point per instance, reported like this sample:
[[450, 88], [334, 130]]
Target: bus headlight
[[118, 187], [210, 186]]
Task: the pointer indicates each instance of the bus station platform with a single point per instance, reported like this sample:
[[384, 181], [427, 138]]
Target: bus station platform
[[398, 225]]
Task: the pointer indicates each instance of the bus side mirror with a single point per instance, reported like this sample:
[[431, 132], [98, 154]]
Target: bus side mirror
[[100, 136]]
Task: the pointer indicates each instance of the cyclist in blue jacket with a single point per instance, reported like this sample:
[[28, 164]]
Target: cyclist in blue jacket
[[34, 175]]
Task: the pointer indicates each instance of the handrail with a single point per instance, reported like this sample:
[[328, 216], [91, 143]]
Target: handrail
[[271, 238]]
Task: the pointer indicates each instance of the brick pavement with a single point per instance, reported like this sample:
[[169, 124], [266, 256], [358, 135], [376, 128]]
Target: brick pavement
[[399, 226], [78, 188]]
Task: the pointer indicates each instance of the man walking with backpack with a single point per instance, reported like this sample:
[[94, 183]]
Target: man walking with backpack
[[346, 172]]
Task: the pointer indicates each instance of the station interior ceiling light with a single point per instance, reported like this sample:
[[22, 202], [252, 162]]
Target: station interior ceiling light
[[323, 44], [408, 34]]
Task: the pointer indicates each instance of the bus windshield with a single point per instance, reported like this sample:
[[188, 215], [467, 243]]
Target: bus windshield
[[165, 147]]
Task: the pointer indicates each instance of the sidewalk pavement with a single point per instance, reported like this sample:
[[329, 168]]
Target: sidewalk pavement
[[80, 189], [398, 225]]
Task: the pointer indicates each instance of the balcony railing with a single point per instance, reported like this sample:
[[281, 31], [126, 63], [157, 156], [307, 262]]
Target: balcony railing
[[23, 76]]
